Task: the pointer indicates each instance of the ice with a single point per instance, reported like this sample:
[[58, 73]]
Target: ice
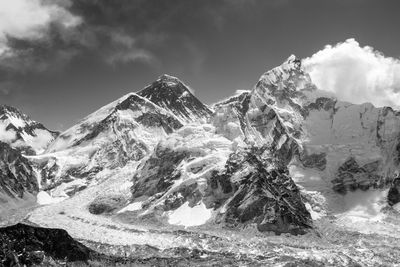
[[43, 198], [190, 216], [132, 207]]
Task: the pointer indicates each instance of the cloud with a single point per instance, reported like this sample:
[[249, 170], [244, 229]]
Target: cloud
[[124, 50], [7, 87], [356, 74], [31, 20], [7, 135], [45, 35]]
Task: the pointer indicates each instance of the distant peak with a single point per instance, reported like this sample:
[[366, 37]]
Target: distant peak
[[291, 58], [172, 94], [291, 63], [166, 86], [5, 108], [12, 111]]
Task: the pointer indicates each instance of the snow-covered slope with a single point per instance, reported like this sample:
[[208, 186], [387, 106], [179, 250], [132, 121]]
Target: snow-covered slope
[[125, 130], [198, 177], [22, 133]]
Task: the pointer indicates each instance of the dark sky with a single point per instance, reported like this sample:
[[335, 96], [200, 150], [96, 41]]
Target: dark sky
[[216, 47]]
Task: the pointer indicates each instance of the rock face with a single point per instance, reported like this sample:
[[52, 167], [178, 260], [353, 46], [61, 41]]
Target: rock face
[[25, 245], [171, 94], [394, 192], [265, 196], [17, 177], [235, 186], [351, 176], [22, 133]]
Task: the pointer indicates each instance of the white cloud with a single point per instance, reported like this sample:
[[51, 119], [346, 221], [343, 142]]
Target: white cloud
[[6, 135], [30, 20], [356, 74]]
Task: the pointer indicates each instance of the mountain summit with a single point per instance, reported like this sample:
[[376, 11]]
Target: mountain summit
[[173, 95], [22, 133]]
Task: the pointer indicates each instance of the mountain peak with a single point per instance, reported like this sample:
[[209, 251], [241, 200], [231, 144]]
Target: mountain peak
[[290, 71], [292, 63], [9, 111], [168, 78], [172, 94], [19, 131]]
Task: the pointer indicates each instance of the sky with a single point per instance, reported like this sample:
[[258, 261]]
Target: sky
[[62, 59]]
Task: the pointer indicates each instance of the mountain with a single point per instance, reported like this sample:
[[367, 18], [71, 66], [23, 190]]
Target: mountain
[[292, 127], [20, 137], [125, 130], [328, 147], [162, 170], [22, 133], [171, 94], [163, 128], [18, 180], [355, 146]]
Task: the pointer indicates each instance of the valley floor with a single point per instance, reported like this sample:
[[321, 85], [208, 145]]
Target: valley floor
[[341, 240]]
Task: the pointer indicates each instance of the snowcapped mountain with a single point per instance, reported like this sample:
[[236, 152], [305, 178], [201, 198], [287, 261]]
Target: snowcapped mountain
[[277, 158], [355, 146], [284, 157], [163, 127], [329, 147], [22, 133], [125, 130]]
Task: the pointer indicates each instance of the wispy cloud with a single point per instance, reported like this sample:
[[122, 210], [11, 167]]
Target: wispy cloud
[[125, 50], [356, 74]]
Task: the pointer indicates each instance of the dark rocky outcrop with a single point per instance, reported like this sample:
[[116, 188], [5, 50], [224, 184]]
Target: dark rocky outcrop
[[266, 195], [26, 245], [170, 93], [317, 161], [16, 173], [351, 176], [106, 203], [394, 192], [157, 173]]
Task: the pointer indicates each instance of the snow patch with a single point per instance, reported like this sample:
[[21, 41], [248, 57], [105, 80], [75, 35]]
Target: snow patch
[[132, 207], [43, 198], [187, 216]]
